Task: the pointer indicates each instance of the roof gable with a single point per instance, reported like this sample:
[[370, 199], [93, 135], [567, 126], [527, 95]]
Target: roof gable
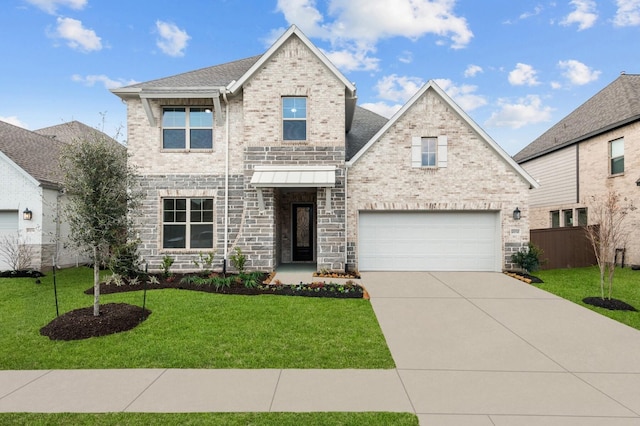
[[37, 155], [292, 31], [615, 105], [431, 85]]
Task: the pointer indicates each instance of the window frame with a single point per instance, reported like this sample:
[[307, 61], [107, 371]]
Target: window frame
[[188, 222], [304, 119], [187, 128], [554, 216], [429, 147], [582, 213], [567, 216], [617, 158]]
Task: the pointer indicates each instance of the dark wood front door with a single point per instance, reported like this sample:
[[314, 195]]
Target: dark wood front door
[[303, 224]]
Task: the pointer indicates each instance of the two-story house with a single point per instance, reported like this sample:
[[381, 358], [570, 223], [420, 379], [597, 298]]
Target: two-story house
[[271, 154], [592, 150]]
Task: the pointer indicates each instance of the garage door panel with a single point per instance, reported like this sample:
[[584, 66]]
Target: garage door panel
[[440, 241]]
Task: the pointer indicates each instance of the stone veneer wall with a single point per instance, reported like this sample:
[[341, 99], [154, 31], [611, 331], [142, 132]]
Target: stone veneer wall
[[259, 234], [149, 221]]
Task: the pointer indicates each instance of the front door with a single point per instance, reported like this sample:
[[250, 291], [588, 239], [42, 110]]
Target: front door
[[303, 224]]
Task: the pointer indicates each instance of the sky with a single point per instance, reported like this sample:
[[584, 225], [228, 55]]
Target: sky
[[515, 67]]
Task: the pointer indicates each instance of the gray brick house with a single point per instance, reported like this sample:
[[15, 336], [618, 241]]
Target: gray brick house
[[271, 154]]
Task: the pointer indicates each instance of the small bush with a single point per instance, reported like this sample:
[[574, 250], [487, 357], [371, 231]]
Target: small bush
[[125, 261], [238, 260], [167, 261], [529, 258]]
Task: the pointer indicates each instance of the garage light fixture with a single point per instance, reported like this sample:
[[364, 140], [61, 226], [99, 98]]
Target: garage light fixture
[[27, 214], [516, 214]]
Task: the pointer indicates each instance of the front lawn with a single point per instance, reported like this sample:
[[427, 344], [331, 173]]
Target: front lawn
[[577, 283], [189, 329]]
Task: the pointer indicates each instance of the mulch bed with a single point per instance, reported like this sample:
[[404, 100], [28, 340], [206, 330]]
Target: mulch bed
[[118, 317], [611, 304], [82, 324]]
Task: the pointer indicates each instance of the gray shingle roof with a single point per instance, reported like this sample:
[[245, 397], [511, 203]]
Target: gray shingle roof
[[36, 154], [365, 125], [215, 76], [615, 105], [72, 131]]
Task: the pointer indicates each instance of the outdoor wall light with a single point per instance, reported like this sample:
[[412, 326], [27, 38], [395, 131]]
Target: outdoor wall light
[[516, 214], [27, 214]]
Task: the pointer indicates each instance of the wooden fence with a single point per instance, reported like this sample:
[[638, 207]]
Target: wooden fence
[[563, 247]]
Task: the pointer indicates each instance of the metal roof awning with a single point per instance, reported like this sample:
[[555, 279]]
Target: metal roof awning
[[294, 177]]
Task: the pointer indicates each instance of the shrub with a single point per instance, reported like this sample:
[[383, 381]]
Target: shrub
[[528, 258], [167, 261], [205, 262], [251, 280], [238, 260], [125, 261]]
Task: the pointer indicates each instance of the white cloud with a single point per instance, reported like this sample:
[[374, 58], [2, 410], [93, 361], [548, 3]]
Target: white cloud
[[472, 70], [50, 6], [382, 108], [585, 14], [354, 27], [398, 88], [556, 85], [108, 83], [463, 95], [353, 60], [523, 75], [77, 36], [536, 11], [13, 120], [577, 72], [628, 13], [172, 39], [528, 110], [406, 57]]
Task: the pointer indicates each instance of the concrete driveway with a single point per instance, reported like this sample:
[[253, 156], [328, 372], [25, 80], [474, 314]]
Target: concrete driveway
[[486, 349]]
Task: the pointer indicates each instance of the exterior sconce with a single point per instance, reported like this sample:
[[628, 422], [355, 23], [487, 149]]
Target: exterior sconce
[[516, 214], [27, 214]]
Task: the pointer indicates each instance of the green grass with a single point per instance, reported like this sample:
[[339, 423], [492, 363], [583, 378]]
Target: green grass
[[227, 419], [577, 283], [189, 329]]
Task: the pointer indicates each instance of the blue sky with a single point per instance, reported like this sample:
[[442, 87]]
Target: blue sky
[[516, 67]]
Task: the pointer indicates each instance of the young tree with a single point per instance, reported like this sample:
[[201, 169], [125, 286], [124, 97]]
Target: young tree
[[608, 214], [99, 184]]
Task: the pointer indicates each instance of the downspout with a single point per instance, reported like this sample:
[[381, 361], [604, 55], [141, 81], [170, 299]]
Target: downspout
[[226, 181], [346, 217]]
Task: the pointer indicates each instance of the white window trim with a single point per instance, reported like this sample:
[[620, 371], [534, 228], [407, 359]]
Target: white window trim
[[611, 157], [187, 127], [187, 224], [305, 119]]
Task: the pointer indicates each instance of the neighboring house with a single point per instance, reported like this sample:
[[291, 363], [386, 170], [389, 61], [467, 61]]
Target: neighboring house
[[270, 154], [32, 198], [592, 150]]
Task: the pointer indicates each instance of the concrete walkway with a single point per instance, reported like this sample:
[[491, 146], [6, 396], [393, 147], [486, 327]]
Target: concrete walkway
[[470, 349]]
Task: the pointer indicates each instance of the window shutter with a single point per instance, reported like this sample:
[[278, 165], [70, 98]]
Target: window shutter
[[416, 151], [442, 151]]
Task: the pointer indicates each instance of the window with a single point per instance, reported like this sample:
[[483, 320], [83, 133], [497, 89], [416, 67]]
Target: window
[[616, 156], [187, 223], [294, 119], [555, 219], [567, 216], [429, 151], [187, 128], [582, 216]]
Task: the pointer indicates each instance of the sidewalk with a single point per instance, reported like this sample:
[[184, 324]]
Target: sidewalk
[[470, 349]]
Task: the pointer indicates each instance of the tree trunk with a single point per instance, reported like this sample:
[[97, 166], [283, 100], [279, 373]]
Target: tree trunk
[[96, 283]]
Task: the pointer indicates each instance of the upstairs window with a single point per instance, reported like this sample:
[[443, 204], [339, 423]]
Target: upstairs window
[[187, 223], [567, 216], [294, 118], [187, 128], [582, 216], [430, 152], [616, 156], [555, 219]]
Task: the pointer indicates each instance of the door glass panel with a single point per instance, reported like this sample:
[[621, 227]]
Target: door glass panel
[[303, 236]]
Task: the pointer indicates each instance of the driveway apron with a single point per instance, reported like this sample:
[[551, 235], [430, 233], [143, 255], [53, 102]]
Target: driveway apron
[[482, 348]]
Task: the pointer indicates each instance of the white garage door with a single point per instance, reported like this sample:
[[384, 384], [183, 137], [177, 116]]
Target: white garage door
[[429, 241], [8, 228]]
